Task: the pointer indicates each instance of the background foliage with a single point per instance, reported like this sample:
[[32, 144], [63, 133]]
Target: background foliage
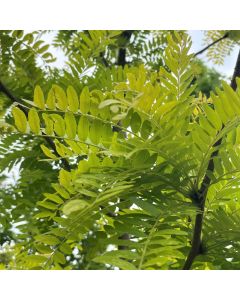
[[118, 154]]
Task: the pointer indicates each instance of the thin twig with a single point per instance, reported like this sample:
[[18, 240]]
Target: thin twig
[[213, 43]]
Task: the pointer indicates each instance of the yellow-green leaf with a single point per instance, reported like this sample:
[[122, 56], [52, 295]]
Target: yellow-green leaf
[[135, 122], [74, 205], [59, 125], [20, 119], [34, 121], [71, 125], [53, 197], [48, 124], [43, 248], [213, 117], [72, 97], [47, 152], [38, 97], [62, 192], [65, 248], [85, 101], [108, 102], [51, 100], [44, 214], [47, 239], [94, 133], [58, 257], [36, 259], [65, 178], [60, 97], [115, 261], [47, 204], [83, 128]]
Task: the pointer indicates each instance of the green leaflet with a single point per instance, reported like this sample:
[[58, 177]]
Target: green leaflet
[[53, 197], [108, 102], [73, 206], [71, 125], [164, 108], [34, 121], [60, 232], [113, 192], [51, 103], [213, 117], [146, 129], [140, 158], [219, 109], [48, 205], [44, 214], [61, 191], [72, 97], [43, 249], [148, 207], [58, 257], [94, 131], [83, 166], [75, 146], [38, 97], [47, 152], [66, 249], [115, 261], [65, 178], [231, 94], [158, 261], [47, 239], [170, 232], [48, 124], [166, 251], [88, 193], [107, 162], [234, 158], [60, 148], [60, 97], [43, 49], [83, 128], [59, 124], [20, 119], [135, 122], [35, 260], [85, 100]]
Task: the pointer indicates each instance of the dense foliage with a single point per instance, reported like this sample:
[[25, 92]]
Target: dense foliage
[[126, 158]]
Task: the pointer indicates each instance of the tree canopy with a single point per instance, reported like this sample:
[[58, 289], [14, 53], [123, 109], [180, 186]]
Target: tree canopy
[[128, 157]]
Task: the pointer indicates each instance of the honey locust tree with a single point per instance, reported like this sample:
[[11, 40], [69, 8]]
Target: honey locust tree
[[120, 162]]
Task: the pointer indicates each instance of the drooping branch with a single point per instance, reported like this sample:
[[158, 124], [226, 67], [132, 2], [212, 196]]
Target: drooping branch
[[202, 193], [213, 43], [13, 98]]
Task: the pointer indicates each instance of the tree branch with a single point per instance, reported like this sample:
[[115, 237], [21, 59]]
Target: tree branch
[[202, 193], [121, 60], [213, 43], [13, 98]]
